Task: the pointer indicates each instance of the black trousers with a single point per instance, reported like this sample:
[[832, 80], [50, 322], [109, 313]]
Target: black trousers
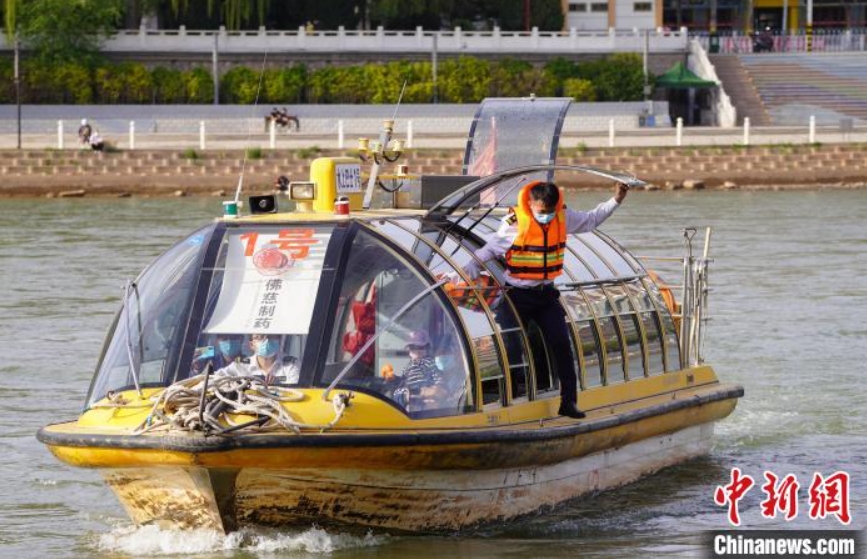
[[542, 306]]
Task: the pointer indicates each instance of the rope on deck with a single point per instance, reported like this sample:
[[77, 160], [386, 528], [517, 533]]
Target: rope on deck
[[206, 403]]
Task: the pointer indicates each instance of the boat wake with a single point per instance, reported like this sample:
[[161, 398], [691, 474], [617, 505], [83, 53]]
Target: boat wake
[[152, 540]]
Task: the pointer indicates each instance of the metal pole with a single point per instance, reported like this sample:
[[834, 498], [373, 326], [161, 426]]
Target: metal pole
[[434, 66], [18, 87], [644, 67], [215, 65], [809, 29], [785, 26]]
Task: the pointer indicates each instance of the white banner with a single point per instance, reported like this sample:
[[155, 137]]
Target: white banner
[[270, 281]]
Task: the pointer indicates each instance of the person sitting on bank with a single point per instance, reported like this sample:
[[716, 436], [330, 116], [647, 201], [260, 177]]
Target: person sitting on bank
[[96, 141], [264, 361], [84, 132], [532, 239]]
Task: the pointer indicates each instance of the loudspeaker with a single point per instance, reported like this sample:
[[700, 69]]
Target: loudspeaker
[[263, 204]]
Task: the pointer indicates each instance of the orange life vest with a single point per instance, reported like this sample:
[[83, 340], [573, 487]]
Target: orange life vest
[[537, 252]]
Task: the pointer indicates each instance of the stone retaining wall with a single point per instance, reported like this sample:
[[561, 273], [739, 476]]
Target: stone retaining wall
[[161, 172]]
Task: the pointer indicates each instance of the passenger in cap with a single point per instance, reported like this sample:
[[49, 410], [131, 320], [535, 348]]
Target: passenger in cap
[[421, 373]]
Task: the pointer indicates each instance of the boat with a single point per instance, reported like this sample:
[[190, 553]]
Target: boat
[[342, 290]]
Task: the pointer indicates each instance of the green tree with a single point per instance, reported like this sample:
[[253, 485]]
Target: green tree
[[464, 80], [559, 70], [579, 90], [200, 86], [65, 30], [239, 85], [284, 85], [619, 77], [168, 86]]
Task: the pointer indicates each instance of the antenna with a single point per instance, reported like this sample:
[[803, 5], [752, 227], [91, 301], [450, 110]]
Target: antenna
[[247, 141], [399, 99], [384, 140]]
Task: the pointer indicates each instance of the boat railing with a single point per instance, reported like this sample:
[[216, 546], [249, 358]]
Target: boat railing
[[694, 298], [693, 295]]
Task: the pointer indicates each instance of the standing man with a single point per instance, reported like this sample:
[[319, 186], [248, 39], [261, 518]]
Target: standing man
[[532, 240]]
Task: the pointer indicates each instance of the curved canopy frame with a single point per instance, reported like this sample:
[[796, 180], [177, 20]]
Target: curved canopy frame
[[501, 189]]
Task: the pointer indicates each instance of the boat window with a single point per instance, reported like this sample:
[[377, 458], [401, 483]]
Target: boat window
[[147, 328], [260, 302], [574, 266], [670, 336], [635, 355], [622, 304], [589, 344], [633, 263], [672, 348], [613, 349], [580, 313], [597, 265], [399, 234], [654, 343], [608, 253], [416, 359], [506, 319]]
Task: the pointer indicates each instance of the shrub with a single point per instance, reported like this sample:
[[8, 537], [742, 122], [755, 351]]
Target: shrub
[[579, 90], [7, 82], [76, 83], [239, 85], [200, 86], [318, 85], [190, 154], [559, 70], [465, 80], [137, 81], [168, 86], [254, 153], [619, 77], [107, 84], [284, 85]]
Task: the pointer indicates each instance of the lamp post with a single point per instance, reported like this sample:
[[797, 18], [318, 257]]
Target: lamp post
[[18, 87]]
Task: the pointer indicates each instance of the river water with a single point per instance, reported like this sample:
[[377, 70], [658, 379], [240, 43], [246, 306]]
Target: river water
[[788, 310]]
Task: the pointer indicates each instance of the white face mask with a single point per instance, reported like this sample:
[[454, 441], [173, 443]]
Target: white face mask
[[544, 219]]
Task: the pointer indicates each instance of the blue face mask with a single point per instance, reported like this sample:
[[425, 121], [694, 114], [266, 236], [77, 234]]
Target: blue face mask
[[444, 362], [230, 347], [544, 219], [268, 348]]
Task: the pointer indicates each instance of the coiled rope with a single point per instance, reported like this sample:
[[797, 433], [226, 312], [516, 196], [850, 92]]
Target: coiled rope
[[205, 403]]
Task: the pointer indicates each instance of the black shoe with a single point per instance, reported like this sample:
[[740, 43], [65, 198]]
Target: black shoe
[[569, 410]]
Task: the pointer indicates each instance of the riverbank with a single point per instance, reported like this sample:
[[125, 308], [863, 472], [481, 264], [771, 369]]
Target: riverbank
[[33, 173]]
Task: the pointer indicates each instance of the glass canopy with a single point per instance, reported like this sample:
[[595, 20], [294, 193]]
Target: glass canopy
[[360, 304]]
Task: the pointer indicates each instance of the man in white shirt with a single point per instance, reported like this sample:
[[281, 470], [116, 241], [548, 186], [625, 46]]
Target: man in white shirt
[[532, 241], [264, 362]]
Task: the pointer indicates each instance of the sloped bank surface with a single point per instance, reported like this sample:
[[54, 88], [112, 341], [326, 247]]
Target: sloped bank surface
[[170, 172]]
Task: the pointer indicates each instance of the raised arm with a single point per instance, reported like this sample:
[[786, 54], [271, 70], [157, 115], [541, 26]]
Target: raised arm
[[582, 222]]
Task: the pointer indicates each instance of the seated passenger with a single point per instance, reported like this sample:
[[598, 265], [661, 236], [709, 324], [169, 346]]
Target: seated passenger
[[420, 376], [451, 391], [226, 350], [264, 362]]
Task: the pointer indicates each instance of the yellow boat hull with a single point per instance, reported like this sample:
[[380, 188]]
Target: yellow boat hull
[[425, 480]]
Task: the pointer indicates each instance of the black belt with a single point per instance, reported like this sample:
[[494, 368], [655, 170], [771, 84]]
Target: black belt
[[540, 287]]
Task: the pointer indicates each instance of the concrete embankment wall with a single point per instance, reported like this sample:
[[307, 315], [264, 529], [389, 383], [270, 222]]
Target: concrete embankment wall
[[163, 172]]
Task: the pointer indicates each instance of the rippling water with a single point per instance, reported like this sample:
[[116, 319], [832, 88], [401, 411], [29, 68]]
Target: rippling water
[[788, 304]]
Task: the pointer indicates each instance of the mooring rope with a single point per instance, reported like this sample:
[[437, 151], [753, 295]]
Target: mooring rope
[[205, 403]]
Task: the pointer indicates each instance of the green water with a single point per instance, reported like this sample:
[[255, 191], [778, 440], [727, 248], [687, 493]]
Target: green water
[[788, 306]]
